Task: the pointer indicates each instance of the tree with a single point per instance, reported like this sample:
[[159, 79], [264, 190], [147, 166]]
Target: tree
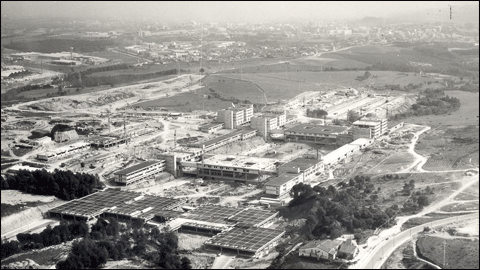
[[422, 201], [202, 70], [353, 116]]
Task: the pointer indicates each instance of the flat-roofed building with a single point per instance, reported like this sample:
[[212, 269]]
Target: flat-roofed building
[[324, 135], [139, 172], [237, 168], [212, 127], [224, 139], [281, 185], [371, 128], [306, 166], [64, 151]]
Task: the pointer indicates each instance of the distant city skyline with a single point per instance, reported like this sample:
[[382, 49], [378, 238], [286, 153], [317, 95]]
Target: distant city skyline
[[224, 11]]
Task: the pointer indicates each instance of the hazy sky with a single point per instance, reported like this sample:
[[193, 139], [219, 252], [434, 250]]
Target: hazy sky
[[224, 11]]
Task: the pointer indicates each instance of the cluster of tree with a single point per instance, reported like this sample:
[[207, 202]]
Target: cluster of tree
[[63, 184], [109, 240], [428, 106], [89, 81], [59, 45], [216, 95], [20, 74], [353, 116], [433, 93], [317, 113], [332, 211], [364, 77], [66, 231]]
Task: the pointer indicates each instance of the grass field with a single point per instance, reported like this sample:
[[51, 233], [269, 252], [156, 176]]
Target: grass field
[[460, 253]]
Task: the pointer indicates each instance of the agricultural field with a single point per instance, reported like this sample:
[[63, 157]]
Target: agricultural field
[[460, 253]]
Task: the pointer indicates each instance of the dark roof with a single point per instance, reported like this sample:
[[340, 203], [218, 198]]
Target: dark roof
[[282, 179], [316, 129], [347, 248], [303, 163], [136, 167]]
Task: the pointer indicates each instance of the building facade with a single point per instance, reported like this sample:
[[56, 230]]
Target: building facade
[[139, 172], [369, 128]]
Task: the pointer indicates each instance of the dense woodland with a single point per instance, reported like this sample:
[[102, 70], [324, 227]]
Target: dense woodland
[[108, 239], [65, 185]]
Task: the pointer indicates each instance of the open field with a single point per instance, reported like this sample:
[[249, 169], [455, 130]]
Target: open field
[[464, 206], [187, 102], [466, 115], [449, 148], [280, 85], [387, 54], [460, 253]]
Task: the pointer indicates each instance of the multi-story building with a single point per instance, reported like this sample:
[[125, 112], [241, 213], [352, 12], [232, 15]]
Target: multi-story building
[[265, 123], [139, 172], [369, 128], [234, 117]]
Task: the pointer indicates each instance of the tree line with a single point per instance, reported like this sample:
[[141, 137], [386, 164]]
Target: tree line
[[63, 184]]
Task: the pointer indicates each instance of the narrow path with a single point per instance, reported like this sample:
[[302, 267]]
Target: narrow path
[[414, 243], [419, 159]]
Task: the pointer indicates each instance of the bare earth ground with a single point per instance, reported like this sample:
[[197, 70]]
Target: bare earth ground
[[16, 197]]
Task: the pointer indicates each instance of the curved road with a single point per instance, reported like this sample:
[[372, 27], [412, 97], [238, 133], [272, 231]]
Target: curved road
[[381, 252]]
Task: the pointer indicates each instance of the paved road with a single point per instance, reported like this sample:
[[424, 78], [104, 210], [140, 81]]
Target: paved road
[[381, 252]]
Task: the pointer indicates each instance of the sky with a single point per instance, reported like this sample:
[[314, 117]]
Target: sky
[[219, 11]]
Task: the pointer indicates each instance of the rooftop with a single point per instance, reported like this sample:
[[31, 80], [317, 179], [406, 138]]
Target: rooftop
[[367, 122], [136, 167], [282, 179], [361, 141], [240, 161], [217, 139], [214, 124], [316, 129], [303, 163]]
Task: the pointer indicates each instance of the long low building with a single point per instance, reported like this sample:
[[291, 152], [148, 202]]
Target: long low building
[[139, 172], [220, 141], [64, 151], [346, 151], [324, 135]]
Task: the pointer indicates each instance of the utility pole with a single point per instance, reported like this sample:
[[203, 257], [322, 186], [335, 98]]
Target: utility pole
[[444, 243], [175, 139]]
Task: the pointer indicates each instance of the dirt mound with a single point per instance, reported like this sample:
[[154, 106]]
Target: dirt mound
[[18, 220], [62, 136]]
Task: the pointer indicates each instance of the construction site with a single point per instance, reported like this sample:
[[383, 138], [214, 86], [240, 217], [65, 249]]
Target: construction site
[[219, 174]]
